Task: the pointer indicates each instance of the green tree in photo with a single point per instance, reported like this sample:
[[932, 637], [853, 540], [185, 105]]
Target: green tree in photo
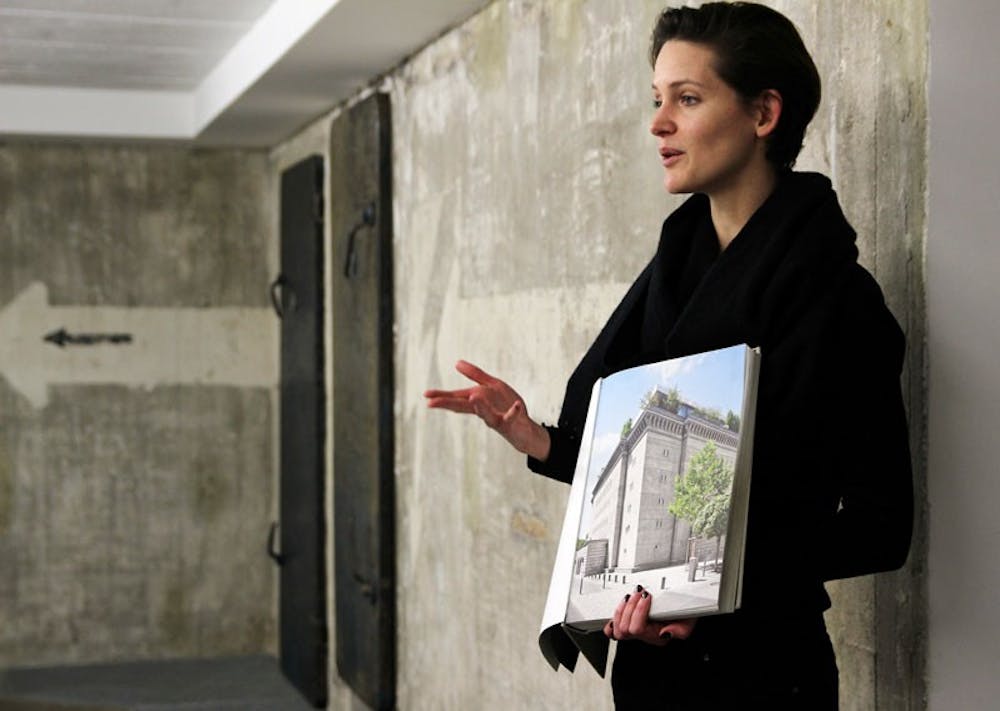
[[701, 496], [711, 413], [669, 400], [673, 399]]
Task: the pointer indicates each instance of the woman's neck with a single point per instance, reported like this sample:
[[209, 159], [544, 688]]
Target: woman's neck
[[732, 208]]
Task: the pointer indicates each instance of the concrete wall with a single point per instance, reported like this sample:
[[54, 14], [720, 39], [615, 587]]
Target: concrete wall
[[136, 479], [963, 256], [527, 197]]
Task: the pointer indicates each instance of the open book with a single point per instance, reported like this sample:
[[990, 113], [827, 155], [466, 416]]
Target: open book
[[659, 499]]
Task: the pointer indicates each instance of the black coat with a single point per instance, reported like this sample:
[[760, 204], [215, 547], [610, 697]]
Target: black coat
[[831, 491]]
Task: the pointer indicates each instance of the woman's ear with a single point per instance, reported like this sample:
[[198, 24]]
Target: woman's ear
[[769, 105]]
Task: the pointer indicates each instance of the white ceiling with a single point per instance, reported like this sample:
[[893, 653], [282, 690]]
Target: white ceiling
[[213, 72]]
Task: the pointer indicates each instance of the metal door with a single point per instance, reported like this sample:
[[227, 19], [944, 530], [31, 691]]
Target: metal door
[[297, 294], [361, 222]]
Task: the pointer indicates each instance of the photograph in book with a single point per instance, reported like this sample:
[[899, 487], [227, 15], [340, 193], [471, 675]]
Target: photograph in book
[[659, 489]]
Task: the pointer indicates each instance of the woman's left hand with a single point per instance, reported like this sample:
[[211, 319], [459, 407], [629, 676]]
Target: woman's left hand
[[631, 621], [498, 405]]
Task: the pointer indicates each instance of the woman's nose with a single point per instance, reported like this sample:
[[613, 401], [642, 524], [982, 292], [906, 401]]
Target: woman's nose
[[662, 124]]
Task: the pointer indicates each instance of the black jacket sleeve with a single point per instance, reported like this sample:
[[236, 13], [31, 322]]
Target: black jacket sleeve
[[565, 445], [831, 492], [871, 529]]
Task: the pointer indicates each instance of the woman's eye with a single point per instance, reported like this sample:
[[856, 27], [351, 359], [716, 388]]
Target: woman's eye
[[657, 103], [688, 100]]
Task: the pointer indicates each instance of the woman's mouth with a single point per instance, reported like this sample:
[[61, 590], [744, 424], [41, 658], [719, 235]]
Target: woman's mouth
[[670, 156]]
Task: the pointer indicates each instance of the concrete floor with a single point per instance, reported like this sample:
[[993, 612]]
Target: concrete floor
[[226, 684]]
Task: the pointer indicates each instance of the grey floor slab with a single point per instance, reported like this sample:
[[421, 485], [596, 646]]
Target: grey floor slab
[[245, 683]]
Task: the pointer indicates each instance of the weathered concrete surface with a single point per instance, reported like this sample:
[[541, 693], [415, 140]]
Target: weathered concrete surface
[[133, 519], [527, 198]]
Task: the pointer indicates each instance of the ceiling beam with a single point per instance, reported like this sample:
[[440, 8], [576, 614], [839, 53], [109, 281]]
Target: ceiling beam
[[276, 32], [45, 111]]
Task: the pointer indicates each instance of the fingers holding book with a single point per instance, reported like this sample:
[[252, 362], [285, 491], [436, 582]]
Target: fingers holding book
[[631, 621]]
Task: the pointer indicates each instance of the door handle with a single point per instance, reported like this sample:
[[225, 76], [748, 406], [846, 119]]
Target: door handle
[[279, 281], [281, 286], [367, 220], [277, 557]]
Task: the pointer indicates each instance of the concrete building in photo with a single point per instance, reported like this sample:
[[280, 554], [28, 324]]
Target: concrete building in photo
[[631, 498]]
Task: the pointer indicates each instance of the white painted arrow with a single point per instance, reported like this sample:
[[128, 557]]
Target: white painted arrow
[[211, 346]]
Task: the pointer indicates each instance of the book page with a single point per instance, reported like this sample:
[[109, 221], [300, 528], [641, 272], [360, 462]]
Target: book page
[[554, 643]]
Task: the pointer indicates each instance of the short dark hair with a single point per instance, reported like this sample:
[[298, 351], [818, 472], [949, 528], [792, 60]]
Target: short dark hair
[[756, 49]]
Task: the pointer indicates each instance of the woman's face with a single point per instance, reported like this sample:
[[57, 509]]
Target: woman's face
[[705, 131]]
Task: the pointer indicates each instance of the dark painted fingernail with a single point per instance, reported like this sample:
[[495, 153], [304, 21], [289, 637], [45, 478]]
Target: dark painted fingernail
[[627, 596], [644, 594], [664, 634], [638, 588]]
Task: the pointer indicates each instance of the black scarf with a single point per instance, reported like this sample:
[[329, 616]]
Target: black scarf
[[791, 247]]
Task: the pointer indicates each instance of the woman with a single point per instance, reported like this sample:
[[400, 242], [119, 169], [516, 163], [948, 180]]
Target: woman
[[760, 255]]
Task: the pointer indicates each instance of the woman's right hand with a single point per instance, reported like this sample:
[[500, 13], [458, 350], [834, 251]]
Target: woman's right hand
[[498, 405], [631, 621]]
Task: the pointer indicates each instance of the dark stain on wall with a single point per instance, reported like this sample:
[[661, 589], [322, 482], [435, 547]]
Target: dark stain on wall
[[173, 618], [208, 487], [6, 490]]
